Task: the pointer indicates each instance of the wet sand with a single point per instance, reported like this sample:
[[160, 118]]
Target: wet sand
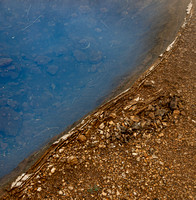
[[115, 104]]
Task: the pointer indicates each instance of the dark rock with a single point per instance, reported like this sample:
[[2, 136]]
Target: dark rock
[[160, 112], [173, 103], [5, 61]]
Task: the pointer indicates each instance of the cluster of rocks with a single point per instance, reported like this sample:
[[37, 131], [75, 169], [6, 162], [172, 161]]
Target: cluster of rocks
[[140, 118]]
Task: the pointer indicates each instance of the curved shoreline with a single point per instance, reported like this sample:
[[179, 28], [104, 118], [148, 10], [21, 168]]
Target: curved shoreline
[[60, 142]]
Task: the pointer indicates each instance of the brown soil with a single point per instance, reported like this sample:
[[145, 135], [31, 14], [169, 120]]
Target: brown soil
[[140, 145]]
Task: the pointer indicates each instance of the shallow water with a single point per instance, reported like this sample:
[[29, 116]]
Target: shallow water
[[59, 58]]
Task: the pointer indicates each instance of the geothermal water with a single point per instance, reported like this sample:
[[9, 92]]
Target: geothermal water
[[58, 59]]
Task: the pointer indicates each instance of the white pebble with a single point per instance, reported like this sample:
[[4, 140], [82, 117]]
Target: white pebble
[[60, 192], [53, 170]]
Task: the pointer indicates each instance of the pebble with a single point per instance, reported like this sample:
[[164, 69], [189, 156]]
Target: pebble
[[173, 103], [135, 118], [81, 138], [60, 192], [176, 113], [152, 115], [101, 126], [102, 146], [61, 150], [53, 170], [70, 187], [161, 135], [154, 156], [113, 115], [72, 160], [39, 189]]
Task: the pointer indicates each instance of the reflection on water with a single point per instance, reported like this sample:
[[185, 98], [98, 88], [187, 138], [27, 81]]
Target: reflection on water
[[57, 59]]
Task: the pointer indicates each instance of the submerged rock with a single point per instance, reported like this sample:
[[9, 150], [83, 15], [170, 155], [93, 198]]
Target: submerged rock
[[80, 56], [10, 121], [52, 69], [5, 61], [43, 60]]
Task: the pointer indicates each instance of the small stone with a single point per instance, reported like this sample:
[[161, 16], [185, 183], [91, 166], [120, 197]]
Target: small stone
[[138, 159], [161, 163], [151, 115], [52, 69], [161, 135], [160, 112], [101, 126], [107, 135], [102, 146], [176, 113], [173, 103], [143, 123], [109, 191], [81, 138], [111, 123], [164, 123], [70, 187], [135, 118], [149, 84], [60, 192], [43, 60], [154, 156], [136, 126], [72, 160], [134, 154], [80, 56], [113, 115], [61, 150], [53, 170], [39, 189], [158, 141]]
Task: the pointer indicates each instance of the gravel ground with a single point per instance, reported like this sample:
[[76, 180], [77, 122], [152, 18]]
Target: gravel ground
[[140, 145]]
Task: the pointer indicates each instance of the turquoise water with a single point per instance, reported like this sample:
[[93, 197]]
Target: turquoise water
[[58, 59]]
